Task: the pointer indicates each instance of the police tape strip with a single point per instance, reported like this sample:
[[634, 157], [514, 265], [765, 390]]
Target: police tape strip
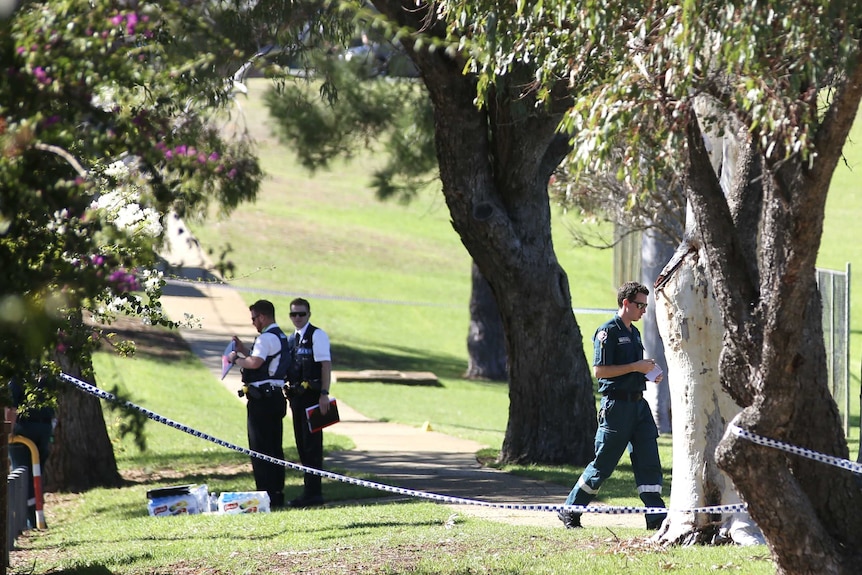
[[93, 390], [801, 451]]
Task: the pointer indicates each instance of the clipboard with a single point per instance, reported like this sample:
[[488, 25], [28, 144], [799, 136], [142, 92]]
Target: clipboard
[[316, 421], [225, 362]]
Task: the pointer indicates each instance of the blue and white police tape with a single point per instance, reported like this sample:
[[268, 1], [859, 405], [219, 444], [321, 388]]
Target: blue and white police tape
[[93, 390], [801, 451]]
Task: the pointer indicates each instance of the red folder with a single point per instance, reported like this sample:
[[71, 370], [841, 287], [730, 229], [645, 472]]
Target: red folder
[[316, 421]]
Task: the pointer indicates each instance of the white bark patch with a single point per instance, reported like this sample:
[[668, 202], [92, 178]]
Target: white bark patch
[[690, 326]]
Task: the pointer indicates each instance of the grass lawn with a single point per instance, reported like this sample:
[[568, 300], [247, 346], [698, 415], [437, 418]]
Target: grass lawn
[[108, 530]]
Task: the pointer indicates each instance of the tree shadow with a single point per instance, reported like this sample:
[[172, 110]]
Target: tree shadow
[[168, 346], [399, 358]]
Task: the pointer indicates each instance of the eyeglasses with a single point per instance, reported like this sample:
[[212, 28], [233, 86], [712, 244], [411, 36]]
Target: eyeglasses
[[254, 317], [641, 306], [298, 313]]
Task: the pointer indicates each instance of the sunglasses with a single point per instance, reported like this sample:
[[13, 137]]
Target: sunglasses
[[641, 306], [298, 313], [254, 317]]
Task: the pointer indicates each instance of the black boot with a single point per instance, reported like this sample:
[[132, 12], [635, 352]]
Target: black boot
[[653, 522], [570, 519]]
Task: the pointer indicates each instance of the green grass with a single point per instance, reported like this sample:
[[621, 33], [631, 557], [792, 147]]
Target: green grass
[[415, 538], [185, 392]]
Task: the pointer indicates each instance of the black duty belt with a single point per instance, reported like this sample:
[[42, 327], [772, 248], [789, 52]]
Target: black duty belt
[[262, 391], [625, 395]]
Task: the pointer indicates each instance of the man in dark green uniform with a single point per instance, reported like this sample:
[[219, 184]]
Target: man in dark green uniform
[[625, 418]]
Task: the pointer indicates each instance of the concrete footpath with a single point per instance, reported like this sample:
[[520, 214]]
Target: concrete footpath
[[399, 455]]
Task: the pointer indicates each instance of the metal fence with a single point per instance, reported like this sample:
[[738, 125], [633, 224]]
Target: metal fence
[[834, 289]]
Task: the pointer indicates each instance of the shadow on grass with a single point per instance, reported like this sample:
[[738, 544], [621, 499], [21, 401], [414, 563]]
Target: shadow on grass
[[167, 345], [88, 570], [226, 473], [189, 461], [400, 358], [620, 485]]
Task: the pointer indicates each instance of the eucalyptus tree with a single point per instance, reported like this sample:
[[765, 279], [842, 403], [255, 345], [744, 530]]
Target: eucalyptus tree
[[104, 129], [495, 163], [790, 74]]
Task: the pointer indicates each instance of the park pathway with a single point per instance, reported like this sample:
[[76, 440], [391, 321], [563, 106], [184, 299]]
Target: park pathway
[[399, 455]]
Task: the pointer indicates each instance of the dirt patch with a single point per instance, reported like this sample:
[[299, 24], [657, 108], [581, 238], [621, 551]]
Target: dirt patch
[[162, 475]]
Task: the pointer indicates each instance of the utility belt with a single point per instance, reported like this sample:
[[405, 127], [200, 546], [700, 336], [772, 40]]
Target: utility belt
[[262, 391], [624, 395], [298, 389]]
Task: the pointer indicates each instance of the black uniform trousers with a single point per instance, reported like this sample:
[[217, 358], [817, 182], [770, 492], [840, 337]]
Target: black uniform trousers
[[308, 444], [265, 434]]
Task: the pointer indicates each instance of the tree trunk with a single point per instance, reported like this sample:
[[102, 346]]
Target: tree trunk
[[82, 456], [486, 344], [690, 325], [495, 164], [760, 244], [807, 510], [656, 250]]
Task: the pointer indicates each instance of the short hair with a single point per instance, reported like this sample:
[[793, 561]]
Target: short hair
[[263, 307], [629, 290], [301, 301]]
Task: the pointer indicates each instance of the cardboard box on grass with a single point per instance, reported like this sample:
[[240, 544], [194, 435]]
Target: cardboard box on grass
[[178, 499], [233, 502]]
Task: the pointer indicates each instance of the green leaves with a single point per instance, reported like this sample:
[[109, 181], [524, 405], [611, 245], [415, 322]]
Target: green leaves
[[629, 65]]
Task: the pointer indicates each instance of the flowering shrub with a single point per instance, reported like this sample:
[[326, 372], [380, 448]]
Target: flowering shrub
[[105, 128]]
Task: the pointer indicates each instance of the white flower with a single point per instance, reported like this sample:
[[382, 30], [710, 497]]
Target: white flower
[[116, 304], [104, 98], [118, 170], [152, 280], [121, 208]]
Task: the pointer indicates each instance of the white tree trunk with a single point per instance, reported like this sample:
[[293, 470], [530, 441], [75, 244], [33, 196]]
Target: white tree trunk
[[655, 252], [690, 326]]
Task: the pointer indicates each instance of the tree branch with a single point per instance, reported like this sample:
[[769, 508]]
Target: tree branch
[[65, 155], [735, 290], [837, 121]]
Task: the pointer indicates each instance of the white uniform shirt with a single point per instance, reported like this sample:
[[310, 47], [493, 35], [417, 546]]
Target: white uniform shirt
[[265, 345], [319, 344]]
